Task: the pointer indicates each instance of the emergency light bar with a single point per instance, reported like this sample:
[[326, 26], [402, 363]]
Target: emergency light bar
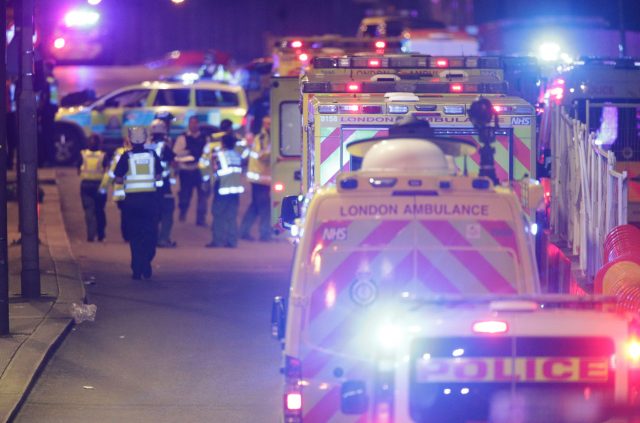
[[412, 61], [416, 87], [347, 44]]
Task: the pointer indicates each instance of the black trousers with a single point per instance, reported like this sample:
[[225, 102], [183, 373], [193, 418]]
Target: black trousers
[[140, 212], [260, 207], [190, 180], [225, 220], [93, 204]]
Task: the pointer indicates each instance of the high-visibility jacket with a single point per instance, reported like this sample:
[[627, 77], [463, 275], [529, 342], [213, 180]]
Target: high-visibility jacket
[[91, 168], [259, 169], [206, 160], [109, 176], [229, 172], [161, 149], [141, 174]]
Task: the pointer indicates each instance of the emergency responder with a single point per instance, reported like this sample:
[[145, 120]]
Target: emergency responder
[[188, 149], [140, 171], [118, 189], [91, 168], [258, 110], [204, 164], [47, 89], [259, 174], [227, 189], [160, 142]]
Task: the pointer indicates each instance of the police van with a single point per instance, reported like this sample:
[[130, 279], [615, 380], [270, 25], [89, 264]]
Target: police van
[[415, 298]]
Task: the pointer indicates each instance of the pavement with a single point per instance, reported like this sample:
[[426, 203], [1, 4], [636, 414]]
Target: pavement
[[37, 326]]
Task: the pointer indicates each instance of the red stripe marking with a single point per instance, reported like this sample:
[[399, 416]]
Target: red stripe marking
[[502, 233], [522, 152], [476, 263], [324, 409], [484, 271], [501, 173], [435, 280], [330, 144], [344, 274]]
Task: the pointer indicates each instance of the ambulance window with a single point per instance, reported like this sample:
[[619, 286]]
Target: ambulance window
[[173, 97], [216, 98], [290, 134], [131, 98]]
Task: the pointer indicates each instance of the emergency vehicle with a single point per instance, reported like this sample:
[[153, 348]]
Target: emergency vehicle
[[351, 98], [605, 95], [379, 326]]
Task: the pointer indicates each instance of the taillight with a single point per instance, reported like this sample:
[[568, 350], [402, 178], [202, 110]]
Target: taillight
[[442, 63], [490, 326], [296, 44], [294, 401], [374, 63], [456, 88], [278, 187], [303, 57], [353, 87], [380, 44]]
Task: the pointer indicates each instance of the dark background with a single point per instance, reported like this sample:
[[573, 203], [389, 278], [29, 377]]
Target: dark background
[[140, 30]]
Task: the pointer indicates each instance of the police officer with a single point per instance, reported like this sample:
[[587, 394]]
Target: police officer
[[188, 149], [140, 171], [259, 174], [92, 165], [161, 144], [227, 189]]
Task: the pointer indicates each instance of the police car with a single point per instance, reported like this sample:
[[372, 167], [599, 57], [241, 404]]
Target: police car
[[134, 105], [415, 298]]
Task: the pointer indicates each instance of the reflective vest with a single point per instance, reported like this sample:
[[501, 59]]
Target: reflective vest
[[229, 172], [259, 170], [109, 176], [141, 174], [91, 168]]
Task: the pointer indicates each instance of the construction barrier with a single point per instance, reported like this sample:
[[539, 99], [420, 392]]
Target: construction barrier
[[620, 276], [588, 197]]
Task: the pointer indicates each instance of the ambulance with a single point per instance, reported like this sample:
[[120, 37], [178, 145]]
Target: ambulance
[[354, 97], [415, 298]]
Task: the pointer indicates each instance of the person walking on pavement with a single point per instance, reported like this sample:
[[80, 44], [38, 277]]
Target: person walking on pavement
[[91, 168], [188, 149], [259, 174], [140, 171], [160, 142], [227, 189]]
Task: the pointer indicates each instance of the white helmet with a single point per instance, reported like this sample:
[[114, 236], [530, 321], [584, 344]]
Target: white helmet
[[137, 134], [158, 127]]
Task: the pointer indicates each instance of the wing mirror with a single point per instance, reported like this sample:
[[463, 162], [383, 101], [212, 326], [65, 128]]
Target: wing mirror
[[290, 211], [278, 318]]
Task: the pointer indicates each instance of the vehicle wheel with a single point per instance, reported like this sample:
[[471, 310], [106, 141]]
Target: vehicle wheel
[[66, 145]]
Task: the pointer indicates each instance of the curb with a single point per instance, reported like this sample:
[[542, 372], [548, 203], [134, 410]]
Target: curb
[[33, 354]]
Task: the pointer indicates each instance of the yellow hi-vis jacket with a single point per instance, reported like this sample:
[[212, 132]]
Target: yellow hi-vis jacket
[[259, 170], [109, 176], [207, 159], [141, 174], [229, 172], [91, 168]]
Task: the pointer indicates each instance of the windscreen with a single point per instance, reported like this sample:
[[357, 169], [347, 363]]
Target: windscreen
[[290, 134]]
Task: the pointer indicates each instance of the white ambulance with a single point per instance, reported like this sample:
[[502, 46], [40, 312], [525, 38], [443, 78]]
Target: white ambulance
[[415, 298]]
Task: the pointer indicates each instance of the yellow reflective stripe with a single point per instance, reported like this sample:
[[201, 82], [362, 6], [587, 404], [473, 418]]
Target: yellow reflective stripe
[[231, 190]]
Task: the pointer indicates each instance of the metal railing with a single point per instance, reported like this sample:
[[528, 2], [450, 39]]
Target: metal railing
[[589, 198]]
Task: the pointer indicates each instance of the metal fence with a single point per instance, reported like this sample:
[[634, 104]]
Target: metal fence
[[589, 197]]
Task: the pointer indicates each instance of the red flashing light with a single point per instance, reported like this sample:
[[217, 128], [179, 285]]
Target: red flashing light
[[353, 87], [278, 187], [442, 63], [374, 63], [380, 44], [490, 326], [456, 88], [294, 401], [296, 44], [303, 57], [59, 43]]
